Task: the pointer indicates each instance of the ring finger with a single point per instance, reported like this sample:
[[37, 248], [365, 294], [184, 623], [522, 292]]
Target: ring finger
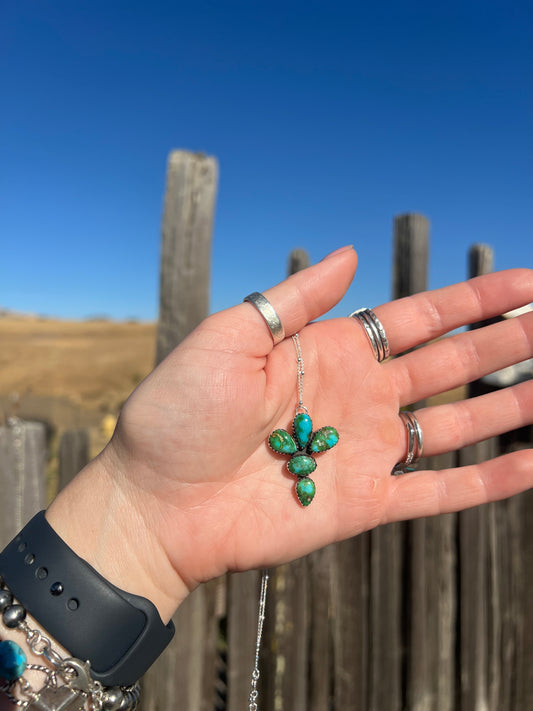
[[455, 425]]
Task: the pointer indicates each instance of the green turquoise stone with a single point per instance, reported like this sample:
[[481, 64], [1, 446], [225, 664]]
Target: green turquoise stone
[[305, 490], [301, 465], [12, 660], [325, 438], [282, 442], [303, 427]]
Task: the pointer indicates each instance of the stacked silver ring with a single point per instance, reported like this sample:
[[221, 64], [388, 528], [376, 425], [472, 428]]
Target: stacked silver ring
[[375, 332], [415, 440]]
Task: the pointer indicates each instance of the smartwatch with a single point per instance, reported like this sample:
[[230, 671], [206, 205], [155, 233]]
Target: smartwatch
[[119, 633]]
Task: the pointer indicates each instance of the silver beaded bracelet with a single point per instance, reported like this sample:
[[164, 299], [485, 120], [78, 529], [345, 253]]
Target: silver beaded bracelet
[[77, 689]]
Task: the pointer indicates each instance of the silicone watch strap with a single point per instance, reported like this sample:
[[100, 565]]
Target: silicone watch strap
[[119, 633]]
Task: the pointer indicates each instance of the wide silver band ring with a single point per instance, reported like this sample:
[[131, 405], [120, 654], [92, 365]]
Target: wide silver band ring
[[268, 312], [415, 442], [374, 331]]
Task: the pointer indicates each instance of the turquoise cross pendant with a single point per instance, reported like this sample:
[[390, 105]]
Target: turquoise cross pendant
[[300, 447]]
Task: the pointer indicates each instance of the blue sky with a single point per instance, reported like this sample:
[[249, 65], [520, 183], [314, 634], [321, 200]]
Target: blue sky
[[327, 119]]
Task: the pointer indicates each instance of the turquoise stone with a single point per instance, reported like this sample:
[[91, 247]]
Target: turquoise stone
[[305, 490], [301, 465], [303, 427], [325, 438], [12, 660], [282, 442]]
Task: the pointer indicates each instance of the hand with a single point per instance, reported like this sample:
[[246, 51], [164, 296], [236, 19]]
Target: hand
[[189, 466]]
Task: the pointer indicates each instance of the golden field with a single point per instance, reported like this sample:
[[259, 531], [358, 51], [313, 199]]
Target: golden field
[[71, 374]]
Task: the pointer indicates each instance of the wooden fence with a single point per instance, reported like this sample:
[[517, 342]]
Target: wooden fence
[[427, 615]]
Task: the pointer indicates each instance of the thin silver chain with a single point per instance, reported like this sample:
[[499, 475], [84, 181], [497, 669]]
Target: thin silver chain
[[252, 699], [300, 373]]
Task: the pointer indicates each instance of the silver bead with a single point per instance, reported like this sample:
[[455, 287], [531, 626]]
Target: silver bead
[[113, 699], [126, 702], [13, 615], [6, 598]]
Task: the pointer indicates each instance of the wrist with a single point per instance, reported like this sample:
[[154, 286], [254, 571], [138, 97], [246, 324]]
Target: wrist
[[99, 519]]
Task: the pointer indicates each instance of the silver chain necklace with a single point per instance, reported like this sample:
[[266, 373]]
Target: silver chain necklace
[[252, 699], [301, 447]]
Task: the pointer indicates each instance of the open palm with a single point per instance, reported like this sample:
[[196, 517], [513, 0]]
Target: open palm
[[191, 443]]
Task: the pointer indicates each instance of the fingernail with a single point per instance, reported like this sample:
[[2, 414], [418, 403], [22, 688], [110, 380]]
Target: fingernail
[[338, 251]]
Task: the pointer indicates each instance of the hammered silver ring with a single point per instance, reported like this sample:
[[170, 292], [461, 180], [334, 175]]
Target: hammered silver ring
[[268, 312]]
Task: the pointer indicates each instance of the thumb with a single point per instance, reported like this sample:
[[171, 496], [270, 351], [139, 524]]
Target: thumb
[[302, 297]]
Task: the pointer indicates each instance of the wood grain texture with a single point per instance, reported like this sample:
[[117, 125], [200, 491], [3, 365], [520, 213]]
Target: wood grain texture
[[74, 449], [243, 605], [411, 254], [350, 613], [186, 247], [22, 475]]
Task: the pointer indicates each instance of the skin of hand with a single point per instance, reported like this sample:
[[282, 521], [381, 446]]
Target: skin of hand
[[188, 489]]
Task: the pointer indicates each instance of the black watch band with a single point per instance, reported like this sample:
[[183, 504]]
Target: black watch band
[[119, 633]]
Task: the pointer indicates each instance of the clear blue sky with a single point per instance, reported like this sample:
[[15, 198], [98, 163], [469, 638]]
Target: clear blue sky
[[327, 118]]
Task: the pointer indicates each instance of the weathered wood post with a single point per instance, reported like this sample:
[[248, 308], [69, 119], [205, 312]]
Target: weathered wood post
[[427, 556], [411, 254], [186, 247], [480, 260], [388, 600], [298, 260], [473, 556], [496, 613], [73, 455], [184, 676], [22, 475]]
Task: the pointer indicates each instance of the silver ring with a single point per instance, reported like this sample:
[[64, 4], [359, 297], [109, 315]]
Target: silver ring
[[415, 442], [268, 312], [375, 332]]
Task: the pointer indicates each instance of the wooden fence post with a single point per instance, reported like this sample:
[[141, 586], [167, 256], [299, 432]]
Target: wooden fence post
[[494, 594], [184, 676], [73, 455], [351, 623], [298, 260], [22, 475], [480, 260], [392, 548], [426, 561], [186, 247], [411, 254], [242, 611], [473, 556]]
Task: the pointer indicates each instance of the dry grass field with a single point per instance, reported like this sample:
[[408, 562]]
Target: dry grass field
[[71, 373]]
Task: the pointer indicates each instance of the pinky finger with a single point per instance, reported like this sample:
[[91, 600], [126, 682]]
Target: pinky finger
[[428, 493]]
